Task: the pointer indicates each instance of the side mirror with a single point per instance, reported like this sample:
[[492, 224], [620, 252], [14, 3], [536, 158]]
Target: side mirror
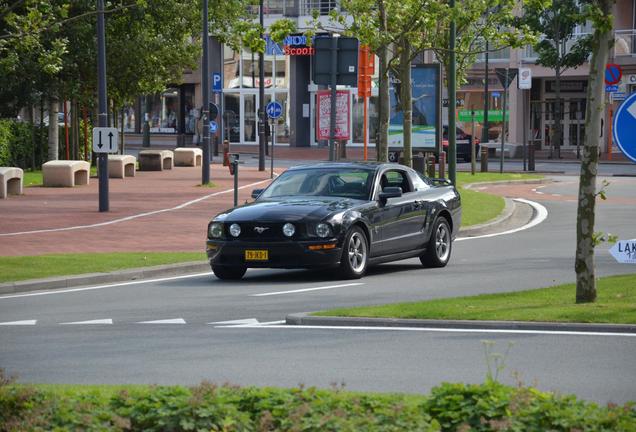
[[256, 193], [390, 192]]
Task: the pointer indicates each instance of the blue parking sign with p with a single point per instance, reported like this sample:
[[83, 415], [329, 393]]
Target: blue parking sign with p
[[274, 110], [625, 127], [216, 82]]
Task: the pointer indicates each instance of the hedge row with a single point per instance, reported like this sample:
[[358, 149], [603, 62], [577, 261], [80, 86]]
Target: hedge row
[[17, 146], [450, 407]]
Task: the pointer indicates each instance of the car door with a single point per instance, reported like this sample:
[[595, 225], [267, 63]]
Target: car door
[[399, 218]]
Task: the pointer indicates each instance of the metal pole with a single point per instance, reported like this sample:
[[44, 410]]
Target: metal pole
[[503, 124], [102, 116], [473, 157], [365, 127], [236, 169], [484, 130], [271, 156], [261, 99], [334, 94], [205, 91], [525, 129], [452, 103]]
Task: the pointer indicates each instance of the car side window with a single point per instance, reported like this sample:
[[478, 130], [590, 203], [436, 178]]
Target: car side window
[[396, 178], [420, 183]]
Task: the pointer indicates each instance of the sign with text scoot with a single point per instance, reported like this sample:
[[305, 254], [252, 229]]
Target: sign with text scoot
[[624, 129], [105, 140], [624, 251]]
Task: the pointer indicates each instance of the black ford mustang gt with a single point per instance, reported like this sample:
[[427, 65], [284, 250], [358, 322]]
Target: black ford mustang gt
[[340, 215]]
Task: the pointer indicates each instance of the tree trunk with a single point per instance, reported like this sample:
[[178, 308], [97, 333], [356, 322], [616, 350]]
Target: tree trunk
[[121, 133], [584, 261], [382, 144], [407, 100], [53, 142]]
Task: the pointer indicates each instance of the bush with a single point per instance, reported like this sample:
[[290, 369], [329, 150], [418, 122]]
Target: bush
[[450, 407], [17, 146]]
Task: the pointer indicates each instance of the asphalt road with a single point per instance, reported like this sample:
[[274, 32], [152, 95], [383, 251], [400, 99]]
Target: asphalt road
[[190, 347]]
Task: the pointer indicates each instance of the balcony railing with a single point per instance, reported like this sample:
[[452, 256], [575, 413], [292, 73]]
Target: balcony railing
[[530, 53], [294, 8]]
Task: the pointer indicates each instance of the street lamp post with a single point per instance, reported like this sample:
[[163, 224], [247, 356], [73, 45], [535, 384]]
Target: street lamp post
[[102, 116], [205, 91], [484, 131], [261, 99]]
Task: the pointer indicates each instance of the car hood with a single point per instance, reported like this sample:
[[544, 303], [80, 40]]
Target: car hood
[[288, 209]]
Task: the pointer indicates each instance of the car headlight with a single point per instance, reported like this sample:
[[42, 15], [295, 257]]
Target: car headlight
[[323, 230], [215, 230], [235, 230], [289, 229]]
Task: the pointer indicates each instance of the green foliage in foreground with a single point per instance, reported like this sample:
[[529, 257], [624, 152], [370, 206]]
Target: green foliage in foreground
[[616, 304], [16, 268], [450, 407]]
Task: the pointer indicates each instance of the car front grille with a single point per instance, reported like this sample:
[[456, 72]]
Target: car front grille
[[265, 232]]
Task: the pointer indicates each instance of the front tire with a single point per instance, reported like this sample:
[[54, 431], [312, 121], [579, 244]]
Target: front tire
[[438, 250], [228, 273], [355, 254]]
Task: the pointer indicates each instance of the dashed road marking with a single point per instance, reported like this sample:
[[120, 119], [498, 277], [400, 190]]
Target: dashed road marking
[[89, 322], [19, 323], [164, 321], [306, 290]]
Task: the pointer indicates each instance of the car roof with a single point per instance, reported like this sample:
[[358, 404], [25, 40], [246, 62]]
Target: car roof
[[374, 166]]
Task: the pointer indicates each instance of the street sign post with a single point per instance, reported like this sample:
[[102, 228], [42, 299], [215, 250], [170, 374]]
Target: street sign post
[[624, 127], [105, 140], [274, 110], [624, 251], [217, 85], [506, 76], [613, 74]]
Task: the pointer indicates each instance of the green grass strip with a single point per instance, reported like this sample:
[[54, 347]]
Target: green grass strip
[[616, 304], [17, 268]]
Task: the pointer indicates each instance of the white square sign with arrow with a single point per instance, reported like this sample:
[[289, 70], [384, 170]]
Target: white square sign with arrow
[[105, 140]]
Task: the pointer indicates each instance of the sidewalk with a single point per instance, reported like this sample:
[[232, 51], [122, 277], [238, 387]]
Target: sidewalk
[[177, 221]]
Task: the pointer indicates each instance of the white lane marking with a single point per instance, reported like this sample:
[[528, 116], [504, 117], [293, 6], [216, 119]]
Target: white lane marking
[[143, 281], [542, 214], [556, 195], [252, 321], [90, 322], [136, 216], [442, 330], [306, 290], [164, 321], [19, 323]]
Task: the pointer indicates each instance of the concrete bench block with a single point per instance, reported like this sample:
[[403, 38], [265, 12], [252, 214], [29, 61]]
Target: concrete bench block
[[188, 156], [155, 160], [11, 180], [120, 166], [65, 173]]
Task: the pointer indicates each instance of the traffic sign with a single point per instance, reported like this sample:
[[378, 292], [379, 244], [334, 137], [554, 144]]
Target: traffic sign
[[274, 110], [217, 85], [611, 88], [613, 74], [624, 128], [501, 74], [525, 79], [105, 140], [624, 251], [213, 126]]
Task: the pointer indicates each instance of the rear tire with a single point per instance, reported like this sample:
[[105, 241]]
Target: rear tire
[[228, 273], [438, 250], [355, 254]]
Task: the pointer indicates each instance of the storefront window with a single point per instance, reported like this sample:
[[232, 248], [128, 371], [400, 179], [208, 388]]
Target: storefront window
[[190, 113], [163, 111], [129, 119]]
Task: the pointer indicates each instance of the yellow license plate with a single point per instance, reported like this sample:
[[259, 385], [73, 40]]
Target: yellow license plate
[[256, 255]]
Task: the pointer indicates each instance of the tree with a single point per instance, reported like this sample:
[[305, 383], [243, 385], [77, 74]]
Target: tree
[[560, 49], [600, 13]]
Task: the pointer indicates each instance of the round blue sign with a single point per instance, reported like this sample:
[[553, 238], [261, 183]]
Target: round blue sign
[[274, 110], [213, 126], [625, 127]]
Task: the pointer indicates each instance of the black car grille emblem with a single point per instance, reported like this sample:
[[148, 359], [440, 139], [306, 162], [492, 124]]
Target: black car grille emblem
[[260, 230]]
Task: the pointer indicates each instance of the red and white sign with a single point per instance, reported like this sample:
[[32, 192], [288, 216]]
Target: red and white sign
[[323, 117]]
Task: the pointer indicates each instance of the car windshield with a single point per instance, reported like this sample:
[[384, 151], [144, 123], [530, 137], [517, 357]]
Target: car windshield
[[337, 182]]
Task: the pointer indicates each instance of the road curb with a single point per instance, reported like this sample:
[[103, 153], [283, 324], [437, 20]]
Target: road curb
[[305, 319], [475, 230], [508, 182], [104, 278]]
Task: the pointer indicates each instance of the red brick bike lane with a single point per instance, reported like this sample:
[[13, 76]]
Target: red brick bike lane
[[151, 212]]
